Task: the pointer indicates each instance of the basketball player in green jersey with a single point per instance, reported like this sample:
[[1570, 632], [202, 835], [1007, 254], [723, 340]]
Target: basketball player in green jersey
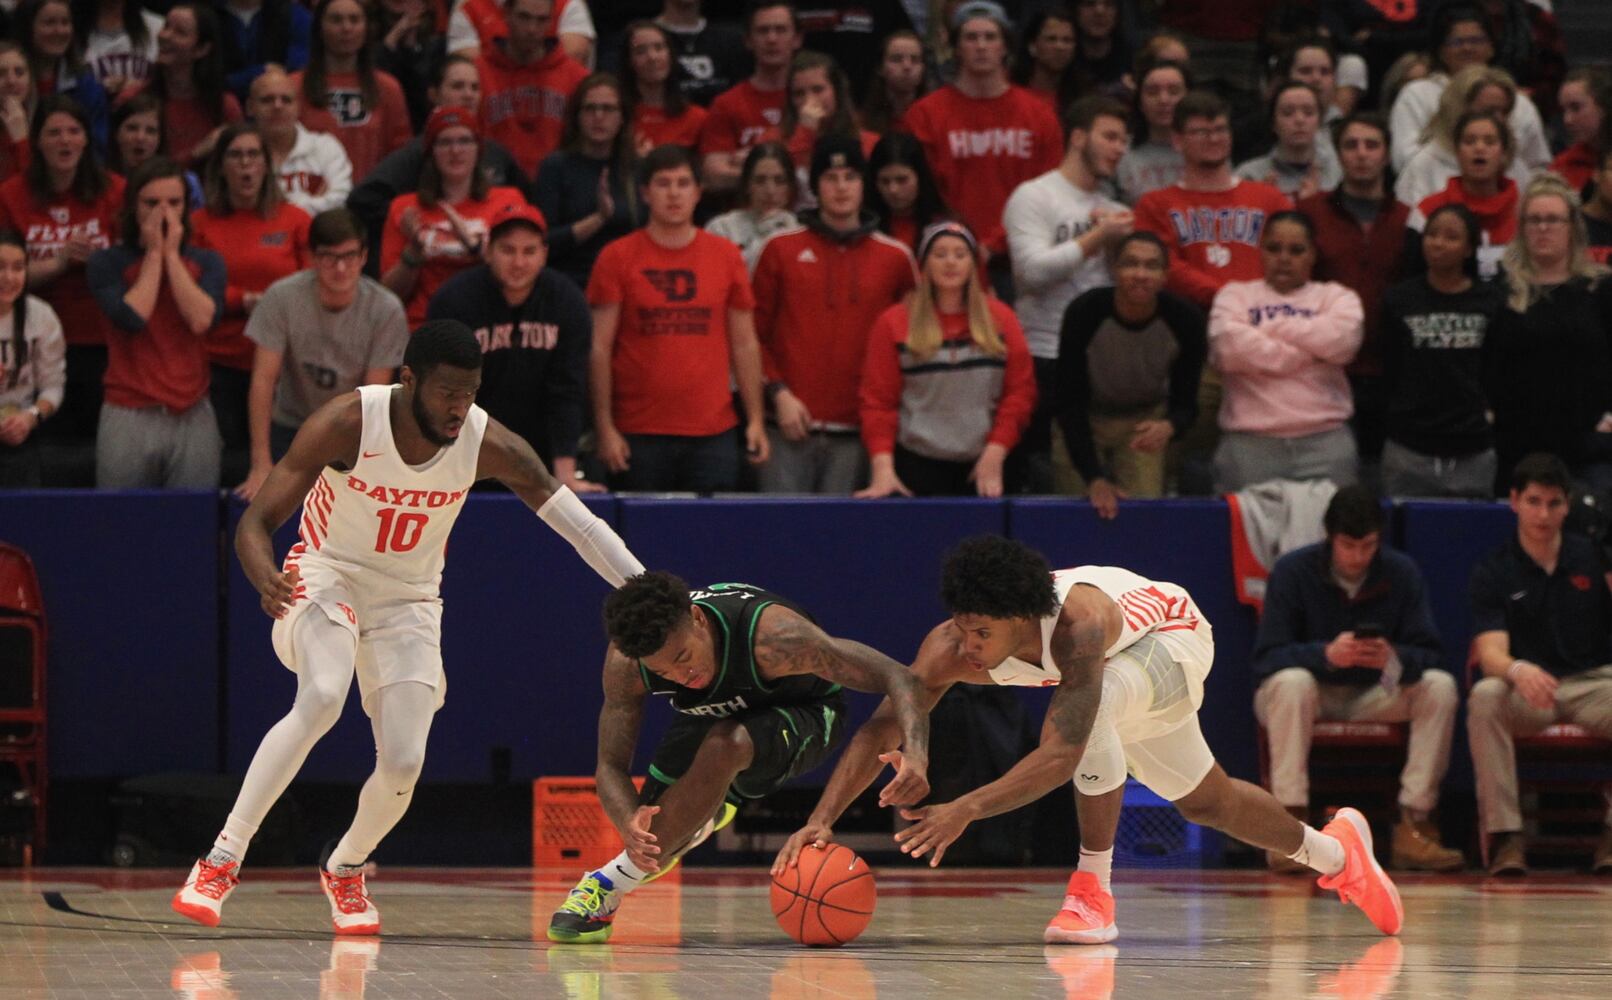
[[757, 688]]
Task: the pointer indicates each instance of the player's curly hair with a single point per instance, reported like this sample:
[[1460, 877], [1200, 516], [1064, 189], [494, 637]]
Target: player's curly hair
[[999, 578], [640, 615]]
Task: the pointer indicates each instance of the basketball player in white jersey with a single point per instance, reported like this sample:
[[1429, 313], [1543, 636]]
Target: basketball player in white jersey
[[1128, 657], [381, 474]]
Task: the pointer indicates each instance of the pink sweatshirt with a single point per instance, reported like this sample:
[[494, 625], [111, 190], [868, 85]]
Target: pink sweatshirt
[[1281, 357]]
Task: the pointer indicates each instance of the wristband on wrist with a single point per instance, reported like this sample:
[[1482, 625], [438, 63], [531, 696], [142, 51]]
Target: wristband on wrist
[[1511, 671]]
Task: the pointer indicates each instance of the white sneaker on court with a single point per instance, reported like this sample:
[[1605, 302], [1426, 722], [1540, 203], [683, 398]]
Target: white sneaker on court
[[351, 912], [202, 896]]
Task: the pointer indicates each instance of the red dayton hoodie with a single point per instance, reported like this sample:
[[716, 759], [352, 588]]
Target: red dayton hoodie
[[523, 107], [818, 294]]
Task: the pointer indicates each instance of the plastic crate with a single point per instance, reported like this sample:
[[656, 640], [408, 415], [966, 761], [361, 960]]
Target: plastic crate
[[1152, 834], [569, 826]]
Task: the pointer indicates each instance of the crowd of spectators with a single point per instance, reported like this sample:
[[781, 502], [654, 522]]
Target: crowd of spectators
[[1377, 238]]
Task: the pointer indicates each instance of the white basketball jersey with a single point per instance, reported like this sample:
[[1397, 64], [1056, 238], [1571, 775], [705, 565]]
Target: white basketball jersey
[[1145, 606], [384, 515]]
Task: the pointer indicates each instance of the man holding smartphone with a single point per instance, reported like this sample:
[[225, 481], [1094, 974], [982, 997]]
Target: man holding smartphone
[[1347, 635]]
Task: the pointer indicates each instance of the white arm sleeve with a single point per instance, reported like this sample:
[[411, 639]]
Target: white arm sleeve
[[595, 542]]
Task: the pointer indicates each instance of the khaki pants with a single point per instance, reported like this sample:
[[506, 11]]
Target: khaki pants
[[1139, 474], [1496, 713], [1289, 701]]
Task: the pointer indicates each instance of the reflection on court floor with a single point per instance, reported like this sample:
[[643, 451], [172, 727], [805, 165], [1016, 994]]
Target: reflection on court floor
[[474, 933]]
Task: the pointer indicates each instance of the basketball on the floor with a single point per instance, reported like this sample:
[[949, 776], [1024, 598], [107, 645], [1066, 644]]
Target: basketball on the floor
[[827, 898]]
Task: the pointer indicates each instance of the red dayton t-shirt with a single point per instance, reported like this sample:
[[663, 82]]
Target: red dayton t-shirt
[[1213, 236], [980, 149], [368, 134], [46, 229], [670, 362], [259, 252], [739, 116]]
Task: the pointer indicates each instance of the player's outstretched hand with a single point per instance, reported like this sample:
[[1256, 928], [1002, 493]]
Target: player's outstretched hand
[[642, 849], [277, 591], [935, 829], [911, 782], [815, 834]]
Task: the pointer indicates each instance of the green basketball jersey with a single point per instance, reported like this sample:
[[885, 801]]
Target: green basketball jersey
[[738, 687]]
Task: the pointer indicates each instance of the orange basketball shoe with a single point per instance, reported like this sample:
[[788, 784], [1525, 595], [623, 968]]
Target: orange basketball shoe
[[1363, 881], [202, 896], [351, 912], [1087, 916]]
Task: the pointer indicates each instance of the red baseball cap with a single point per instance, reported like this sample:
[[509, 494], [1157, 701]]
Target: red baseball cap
[[518, 212], [449, 117]]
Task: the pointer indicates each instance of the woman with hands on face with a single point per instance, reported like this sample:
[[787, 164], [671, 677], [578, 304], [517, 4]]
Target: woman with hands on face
[[161, 296]]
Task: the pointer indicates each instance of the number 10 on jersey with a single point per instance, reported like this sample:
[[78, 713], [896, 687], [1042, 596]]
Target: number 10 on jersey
[[399, 532]]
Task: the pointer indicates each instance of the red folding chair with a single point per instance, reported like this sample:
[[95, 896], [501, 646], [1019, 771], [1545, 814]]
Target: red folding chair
[[1368, 744], [1559, 743], [22, 680]]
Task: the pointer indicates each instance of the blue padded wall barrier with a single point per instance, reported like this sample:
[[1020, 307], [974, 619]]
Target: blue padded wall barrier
[[130, 585]]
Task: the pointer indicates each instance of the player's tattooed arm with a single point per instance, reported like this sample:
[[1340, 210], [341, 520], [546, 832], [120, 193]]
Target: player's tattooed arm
[[619, 720], [506, 457], [329, 437], [787, 644], [1078, 644], [938, 666]]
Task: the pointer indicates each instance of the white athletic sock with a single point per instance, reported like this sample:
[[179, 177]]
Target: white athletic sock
[[1320, 852], [623, 874], [232, 840], [1099, 863]]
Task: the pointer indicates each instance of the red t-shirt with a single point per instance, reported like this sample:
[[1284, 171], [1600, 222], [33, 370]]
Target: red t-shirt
[[670, 361], [46, 229], [523, 107], [980, 149], [13, 156], [739, 116], [445, 254], [1213, 236], [816, 300], [651, 127], [368, 134], [162, 364], [258, 253]]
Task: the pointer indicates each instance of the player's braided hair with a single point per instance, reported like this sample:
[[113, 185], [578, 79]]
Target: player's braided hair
[[644, 611], [999, 578]]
